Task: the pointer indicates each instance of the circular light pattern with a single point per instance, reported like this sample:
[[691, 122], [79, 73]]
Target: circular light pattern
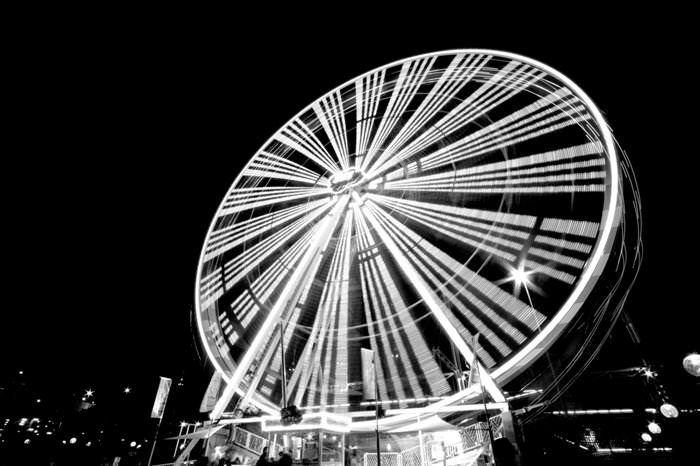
[[132, 444], [691, 364], [425, 202], [654, 428], [668, 410], [72, 440], [646, 437]]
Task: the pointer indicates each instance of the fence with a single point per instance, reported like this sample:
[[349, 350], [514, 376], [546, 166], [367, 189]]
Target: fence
[[465, 452], [388, 459]]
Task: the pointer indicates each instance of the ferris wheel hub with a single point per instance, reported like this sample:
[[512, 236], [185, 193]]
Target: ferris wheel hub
[[347, 181]]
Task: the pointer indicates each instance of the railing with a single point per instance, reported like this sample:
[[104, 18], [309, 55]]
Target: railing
[[465, 452]]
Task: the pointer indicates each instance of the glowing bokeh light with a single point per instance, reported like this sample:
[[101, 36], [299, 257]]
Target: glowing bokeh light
[[72, 440], [691, 364], [654, 428], [668, 410], [646, 437]]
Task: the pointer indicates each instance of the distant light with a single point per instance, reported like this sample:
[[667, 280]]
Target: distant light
[[646, 437], [73, 440], [339, 445], [138, 446], [38, 400], [27, 441], [83, 398], [89, 392], [654, 428], [648, 373], [49, 433], [334, 437], [127, 390], [132, 444], [388, 446], [520, 276], [31, 429], [183, 424], [88, 444], [21, 372], [64, 442], [691, 364], [23, 421], [309, 436], [668, 410]]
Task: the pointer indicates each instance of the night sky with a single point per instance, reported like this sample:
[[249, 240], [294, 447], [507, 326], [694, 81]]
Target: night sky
[[120, 148]]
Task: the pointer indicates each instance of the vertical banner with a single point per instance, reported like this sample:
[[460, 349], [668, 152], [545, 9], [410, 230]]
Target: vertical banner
[[368, 383], [474, 368], [161, 397], [212, 393]]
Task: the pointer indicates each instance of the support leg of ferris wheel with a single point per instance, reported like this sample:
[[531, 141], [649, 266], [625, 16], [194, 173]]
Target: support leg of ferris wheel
[[430, 298], [287, 298]]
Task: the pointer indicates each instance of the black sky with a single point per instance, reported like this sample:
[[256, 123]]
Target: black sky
[[121, 145]]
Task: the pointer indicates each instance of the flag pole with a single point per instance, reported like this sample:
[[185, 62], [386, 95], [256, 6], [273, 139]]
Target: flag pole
[[483, 397], [376, 409]]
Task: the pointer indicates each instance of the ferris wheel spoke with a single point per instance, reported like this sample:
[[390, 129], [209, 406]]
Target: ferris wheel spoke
[[287, 298], [460, 71], [367, 95], [242, 199], [411, 77], [323, 343], [580, 168], [502, 86], [234, 235], [503, 319], [551, 113], [331, 115], [299, 137], [505, 235], [394, 335], [237, 317], [238, 267], [268, 165], [259, 293], [477, 234], [436, 306]]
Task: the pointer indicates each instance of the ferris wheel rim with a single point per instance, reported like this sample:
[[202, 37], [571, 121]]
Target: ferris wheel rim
[[536, 346]]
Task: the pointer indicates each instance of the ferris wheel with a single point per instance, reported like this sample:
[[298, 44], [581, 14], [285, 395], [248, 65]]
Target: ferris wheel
[[434, 199]]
